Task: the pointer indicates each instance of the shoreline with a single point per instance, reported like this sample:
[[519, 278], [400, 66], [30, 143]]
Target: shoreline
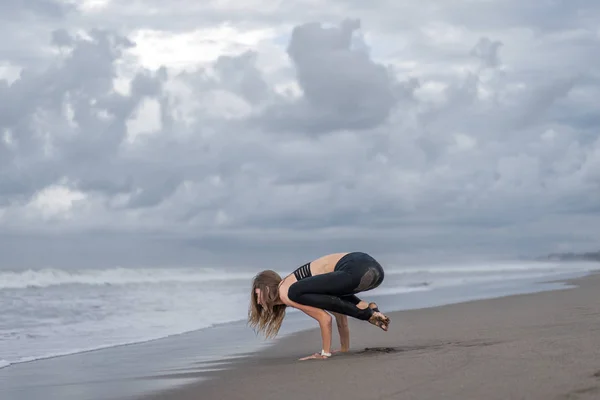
[[414, 333], [188, 361]]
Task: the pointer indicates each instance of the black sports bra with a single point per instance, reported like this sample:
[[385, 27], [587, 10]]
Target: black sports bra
[[302, 272]]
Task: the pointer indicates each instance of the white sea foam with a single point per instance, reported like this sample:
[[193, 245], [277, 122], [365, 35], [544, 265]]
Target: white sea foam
[[399, 290], [493, 267], [51, 312], [112, 276]]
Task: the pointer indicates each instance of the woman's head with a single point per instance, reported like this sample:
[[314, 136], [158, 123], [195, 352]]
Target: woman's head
[[266, 312]]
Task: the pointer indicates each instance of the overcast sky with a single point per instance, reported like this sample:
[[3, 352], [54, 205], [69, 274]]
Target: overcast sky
[[257, 132]]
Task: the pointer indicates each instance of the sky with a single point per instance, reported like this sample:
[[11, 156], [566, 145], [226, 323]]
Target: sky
[[258, 133]]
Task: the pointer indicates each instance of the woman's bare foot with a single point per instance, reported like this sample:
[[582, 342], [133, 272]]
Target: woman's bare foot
[[378, 318]]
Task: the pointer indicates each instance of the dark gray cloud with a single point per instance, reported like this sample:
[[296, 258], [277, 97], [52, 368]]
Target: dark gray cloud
[[20, 10], [342, 87], [84, 146], [240, 75], [487, 51], [446, 139], [25, 26], [543, 16]]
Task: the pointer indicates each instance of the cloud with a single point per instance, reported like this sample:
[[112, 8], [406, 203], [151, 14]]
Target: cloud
[[25, 27], [487, 52], [66, 127], [10, 10], [449, 133], [342, 88]]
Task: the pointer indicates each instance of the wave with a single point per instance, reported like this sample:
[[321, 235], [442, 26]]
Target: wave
[[81, 341], [114, 276], [124, 276], [480, 268], [45, 356], [401, 290]]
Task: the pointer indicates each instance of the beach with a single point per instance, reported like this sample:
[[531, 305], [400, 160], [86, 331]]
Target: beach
[[543, 345], [521, 330]]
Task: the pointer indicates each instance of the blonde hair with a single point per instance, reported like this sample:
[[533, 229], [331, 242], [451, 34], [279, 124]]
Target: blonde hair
[[267, 319]]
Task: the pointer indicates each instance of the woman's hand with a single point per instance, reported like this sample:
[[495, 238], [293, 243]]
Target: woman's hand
[[321, 316], [317, 356]]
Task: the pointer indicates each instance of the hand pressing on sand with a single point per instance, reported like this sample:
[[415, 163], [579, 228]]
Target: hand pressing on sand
[[322, 357], [317, 356]]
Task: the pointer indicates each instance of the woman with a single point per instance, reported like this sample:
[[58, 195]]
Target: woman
[[329, 283]]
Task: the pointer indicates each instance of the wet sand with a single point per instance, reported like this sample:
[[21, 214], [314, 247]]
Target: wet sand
[[534, 346]]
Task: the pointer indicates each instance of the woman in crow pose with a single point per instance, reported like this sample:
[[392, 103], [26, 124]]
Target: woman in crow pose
[[329, 283]]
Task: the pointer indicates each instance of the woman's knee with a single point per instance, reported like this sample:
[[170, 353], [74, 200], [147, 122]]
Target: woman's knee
[[295, 292]]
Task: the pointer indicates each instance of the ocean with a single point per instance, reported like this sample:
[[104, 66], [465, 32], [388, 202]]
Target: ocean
[[54, 312]]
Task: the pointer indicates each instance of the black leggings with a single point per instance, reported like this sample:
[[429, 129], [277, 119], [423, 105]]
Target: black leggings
[[335, 291]]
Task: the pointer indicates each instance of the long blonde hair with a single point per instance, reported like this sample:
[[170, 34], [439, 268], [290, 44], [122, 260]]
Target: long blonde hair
[[267, 319]]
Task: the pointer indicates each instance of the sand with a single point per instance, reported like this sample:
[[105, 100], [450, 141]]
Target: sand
[[535, 346]]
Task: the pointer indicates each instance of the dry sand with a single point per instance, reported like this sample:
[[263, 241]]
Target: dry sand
[[536, 346]]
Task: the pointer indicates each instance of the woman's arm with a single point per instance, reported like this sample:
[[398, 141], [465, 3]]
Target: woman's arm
[[325, 322], [344, 331], [323, 318]]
